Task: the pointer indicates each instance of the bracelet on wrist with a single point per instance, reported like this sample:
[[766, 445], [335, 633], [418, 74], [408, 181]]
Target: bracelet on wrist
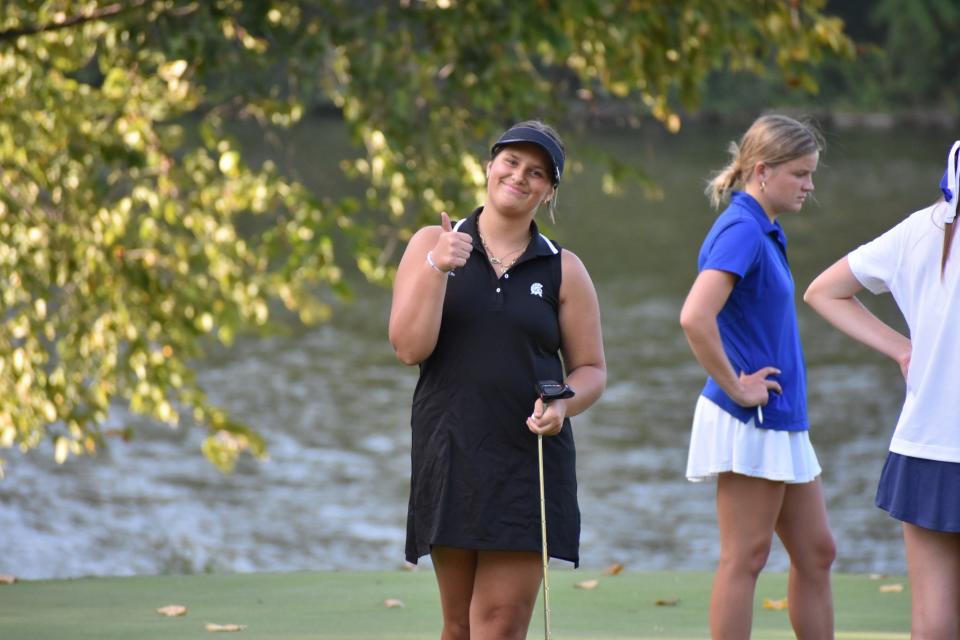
[[434, 264]]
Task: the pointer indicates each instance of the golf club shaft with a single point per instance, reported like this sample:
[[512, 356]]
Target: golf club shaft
[[543, 536]]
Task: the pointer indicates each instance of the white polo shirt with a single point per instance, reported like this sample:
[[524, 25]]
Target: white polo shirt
[[906, 262]]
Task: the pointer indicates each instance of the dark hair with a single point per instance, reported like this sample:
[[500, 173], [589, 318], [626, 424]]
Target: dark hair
[[772, 139]]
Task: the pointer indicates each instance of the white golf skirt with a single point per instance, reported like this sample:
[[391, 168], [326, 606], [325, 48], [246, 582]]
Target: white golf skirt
[[719, 443]]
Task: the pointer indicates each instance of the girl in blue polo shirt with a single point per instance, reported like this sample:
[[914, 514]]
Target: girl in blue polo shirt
[[750, 423], [920, 482]]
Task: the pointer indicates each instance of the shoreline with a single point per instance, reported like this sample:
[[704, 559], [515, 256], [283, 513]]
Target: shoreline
[[617, 116]]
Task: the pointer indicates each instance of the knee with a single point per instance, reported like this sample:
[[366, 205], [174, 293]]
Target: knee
[[749, 559], [456, 623], [504, 621], [818, 555], [826, 553], [456, 629]]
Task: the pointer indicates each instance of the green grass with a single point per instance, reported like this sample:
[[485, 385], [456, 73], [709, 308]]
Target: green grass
[[350, 605]]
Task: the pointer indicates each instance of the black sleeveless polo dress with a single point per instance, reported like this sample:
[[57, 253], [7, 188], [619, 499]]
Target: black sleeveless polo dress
[[474, 481]]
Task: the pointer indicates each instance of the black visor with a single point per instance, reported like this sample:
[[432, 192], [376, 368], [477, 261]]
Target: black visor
[[537, 137]]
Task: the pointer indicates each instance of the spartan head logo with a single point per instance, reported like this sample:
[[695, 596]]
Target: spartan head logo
[[536, 289]]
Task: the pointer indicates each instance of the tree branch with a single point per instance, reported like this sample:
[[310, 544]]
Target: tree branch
[[100, 13]]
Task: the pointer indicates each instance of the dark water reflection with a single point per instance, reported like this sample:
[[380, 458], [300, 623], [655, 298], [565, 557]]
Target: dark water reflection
[[335, 404]]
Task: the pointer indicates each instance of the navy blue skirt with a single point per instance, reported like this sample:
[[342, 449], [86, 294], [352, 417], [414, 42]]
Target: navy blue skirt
[[920, 491]]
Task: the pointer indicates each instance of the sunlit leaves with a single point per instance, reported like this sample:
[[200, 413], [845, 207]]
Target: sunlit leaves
[[124, 251], [136, 232], [438, 84]]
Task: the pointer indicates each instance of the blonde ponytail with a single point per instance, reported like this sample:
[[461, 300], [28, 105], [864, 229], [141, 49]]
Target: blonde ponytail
[[772, 139], [726, 180]]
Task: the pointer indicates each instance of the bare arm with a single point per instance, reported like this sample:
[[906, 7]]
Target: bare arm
[[698, 318], [419, 289], [832, 294], [581, 345]]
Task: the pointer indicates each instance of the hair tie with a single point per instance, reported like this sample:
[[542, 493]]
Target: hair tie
[[949, 183]]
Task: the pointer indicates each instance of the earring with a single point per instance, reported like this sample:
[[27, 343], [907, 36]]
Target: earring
[[763, 186]]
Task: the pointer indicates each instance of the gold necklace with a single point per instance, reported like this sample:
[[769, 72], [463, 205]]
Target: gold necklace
[[499, 262]]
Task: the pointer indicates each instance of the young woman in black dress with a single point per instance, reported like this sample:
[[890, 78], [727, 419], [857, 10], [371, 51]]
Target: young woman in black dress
[[487, 307]]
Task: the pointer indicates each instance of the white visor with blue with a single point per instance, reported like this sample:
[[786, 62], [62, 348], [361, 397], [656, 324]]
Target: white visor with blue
[[949, 182]]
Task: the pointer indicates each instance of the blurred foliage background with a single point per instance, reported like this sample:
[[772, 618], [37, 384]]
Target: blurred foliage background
[[904, 57], [136, 234]]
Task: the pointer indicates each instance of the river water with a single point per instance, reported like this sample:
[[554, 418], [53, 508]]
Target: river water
[[334, 403]]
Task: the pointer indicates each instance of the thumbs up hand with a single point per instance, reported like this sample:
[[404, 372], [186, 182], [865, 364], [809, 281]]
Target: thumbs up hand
[[452, 248]]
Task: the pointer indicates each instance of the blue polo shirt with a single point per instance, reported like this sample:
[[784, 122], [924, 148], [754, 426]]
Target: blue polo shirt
[[758, 323]]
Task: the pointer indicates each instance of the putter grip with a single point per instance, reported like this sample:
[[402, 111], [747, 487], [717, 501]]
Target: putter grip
[[548, 390]]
